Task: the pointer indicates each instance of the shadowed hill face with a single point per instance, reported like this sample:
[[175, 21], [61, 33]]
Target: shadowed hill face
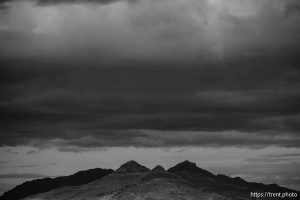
[[233, 188], [107, 185], [164, 189], [132, 167], [47, 184]]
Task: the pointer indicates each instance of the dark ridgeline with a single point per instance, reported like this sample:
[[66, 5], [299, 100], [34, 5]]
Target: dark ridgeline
[[132, 178], [235, 188], [46, 184]]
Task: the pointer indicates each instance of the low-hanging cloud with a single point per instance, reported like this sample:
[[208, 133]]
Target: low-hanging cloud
[[23, 175]]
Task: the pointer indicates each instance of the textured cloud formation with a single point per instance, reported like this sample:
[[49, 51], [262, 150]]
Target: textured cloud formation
[[147, 138], [152, 73], [151, 30]]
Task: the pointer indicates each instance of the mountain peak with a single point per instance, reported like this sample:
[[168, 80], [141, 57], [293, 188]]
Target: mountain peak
[[132, 167], [188, 163], [185, 166], [190, 167], [158, 168]]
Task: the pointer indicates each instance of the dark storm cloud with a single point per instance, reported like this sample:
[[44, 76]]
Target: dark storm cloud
[[292, 8], [136, 77], [147, 106], [4, 1]]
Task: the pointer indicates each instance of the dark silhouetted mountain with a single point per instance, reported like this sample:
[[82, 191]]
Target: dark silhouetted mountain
[[185, 181], [47, 184], [189, 167], [132, 167], [158, 168]]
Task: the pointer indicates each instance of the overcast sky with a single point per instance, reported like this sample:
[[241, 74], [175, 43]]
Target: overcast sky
[[87, 84]]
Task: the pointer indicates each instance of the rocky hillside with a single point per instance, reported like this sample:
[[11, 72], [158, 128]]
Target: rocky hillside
[[185, 181]]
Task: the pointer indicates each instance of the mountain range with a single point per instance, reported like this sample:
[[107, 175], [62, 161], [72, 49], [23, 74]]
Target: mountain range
[[132, 181]]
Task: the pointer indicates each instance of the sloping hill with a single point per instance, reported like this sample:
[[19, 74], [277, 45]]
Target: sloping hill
[[102, 187], [127, 175], [47, 184], [164, 189]]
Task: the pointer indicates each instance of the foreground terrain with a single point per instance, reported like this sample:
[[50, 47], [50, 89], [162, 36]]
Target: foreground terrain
[[132, 181]]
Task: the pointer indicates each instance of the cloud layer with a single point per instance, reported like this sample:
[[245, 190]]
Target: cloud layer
[[4, 176], [150, 73]]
